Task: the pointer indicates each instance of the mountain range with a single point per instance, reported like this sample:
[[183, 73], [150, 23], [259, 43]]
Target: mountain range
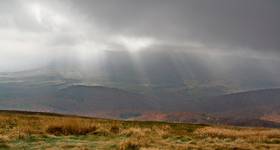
[[161, 88]]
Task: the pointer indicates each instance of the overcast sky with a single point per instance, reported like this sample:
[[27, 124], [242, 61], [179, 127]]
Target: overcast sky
[[34, 33]]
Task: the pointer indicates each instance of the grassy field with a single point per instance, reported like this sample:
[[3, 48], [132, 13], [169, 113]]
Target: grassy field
[[43, 131]]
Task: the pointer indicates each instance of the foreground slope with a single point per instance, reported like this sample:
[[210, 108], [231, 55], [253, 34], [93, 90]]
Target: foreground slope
[[25, 130]]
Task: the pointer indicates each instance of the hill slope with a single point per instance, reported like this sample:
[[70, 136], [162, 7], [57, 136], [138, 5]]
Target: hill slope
[[246, 107], [248, 103], [86, 99]]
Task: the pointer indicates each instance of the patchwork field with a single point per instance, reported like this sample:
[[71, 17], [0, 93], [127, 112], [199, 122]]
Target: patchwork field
[[23, 130]]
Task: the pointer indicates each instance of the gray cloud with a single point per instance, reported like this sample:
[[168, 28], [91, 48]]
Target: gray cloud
[[30, 29], [241, 23]]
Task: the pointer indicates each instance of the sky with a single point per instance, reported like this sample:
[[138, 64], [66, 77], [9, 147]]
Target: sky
[[34, 33]]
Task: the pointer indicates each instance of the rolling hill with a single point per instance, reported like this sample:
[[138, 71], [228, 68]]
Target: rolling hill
[[50, 90], [262, 105]]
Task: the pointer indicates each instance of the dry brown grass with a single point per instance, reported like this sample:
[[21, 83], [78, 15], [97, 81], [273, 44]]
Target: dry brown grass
[[71, 127], [64, 133], [234, 133], [163, 131], [136, 132], [135, 143], [130, 145]]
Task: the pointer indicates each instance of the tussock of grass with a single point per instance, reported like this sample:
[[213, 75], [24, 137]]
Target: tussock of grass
[[70, 130], [102, 132], [115, 129], [136, 132], [4, 146], [3, 142], [135, 143], [130, 145], [71, 127], [163, 131]]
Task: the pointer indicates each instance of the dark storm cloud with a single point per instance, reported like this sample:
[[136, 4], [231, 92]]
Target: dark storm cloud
[[30, 29], [252, 24]]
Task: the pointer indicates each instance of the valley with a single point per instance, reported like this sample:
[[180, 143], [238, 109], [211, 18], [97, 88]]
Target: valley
[[44, 90]]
